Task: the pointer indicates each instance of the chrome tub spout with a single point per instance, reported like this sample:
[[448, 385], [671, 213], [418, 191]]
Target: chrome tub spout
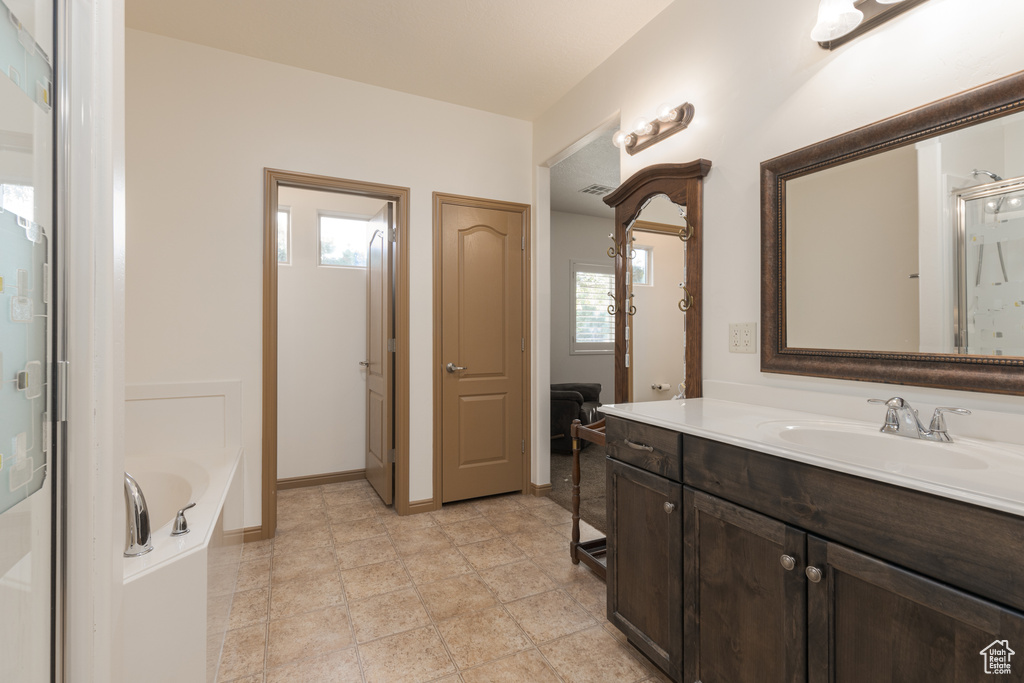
[[137, 537]]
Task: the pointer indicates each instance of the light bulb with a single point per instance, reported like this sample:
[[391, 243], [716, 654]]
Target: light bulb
[[642, 127], [1015, 202], [667, 112], [623, 139], [836, 18]]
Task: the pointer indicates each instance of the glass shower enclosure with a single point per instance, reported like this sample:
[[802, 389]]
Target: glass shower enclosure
[[29, 500]]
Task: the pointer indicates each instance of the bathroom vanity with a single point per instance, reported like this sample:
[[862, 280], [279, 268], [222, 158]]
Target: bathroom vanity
[[742, 547]]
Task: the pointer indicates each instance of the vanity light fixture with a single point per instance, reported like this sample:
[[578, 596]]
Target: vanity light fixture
[[840, 21], [670, 120]]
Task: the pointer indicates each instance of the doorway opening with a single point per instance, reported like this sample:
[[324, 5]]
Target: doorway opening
[[336, 267]]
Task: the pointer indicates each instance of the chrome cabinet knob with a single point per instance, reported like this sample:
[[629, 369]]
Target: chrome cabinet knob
[[788, 562], [669, 508], [452, 367], [813, 574]]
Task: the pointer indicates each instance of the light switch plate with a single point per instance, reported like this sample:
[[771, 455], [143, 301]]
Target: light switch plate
[[742, 337]]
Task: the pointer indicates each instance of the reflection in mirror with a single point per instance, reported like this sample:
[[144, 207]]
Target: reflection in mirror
[[657, 273], [916, 249]]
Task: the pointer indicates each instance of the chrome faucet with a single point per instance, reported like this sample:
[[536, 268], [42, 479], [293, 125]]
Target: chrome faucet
[[137, 537], [902, 420]]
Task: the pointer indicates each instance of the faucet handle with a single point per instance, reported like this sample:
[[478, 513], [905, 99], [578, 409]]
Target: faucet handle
[[894, 402], [938, 423], [180, 523]]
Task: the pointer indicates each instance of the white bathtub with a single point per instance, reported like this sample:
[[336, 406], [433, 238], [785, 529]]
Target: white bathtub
[[177, 597]]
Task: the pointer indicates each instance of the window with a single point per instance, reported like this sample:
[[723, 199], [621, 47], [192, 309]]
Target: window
[[342, 241], [593, 328], [284, 235], [643, 265]]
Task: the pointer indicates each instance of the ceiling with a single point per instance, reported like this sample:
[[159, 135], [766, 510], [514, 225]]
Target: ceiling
[[596, 163], [511, 57]]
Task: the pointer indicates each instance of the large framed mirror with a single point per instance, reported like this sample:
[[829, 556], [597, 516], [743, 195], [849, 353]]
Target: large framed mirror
[[657, 298], [895, 253]]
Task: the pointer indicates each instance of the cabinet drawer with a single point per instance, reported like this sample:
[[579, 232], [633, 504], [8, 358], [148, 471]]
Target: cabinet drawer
[[645, 446]]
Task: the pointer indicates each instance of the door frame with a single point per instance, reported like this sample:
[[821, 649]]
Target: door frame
[[273, 179], [441, 198]]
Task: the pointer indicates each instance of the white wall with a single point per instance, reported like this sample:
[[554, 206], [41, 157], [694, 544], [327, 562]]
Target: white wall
[[761, 88], [321, 337], [201, 126], [585, 239]]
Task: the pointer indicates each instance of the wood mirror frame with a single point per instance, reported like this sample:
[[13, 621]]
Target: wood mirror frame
[[683, 184], [995, 374]]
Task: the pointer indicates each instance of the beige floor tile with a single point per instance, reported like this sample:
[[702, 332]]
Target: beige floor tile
[[218, 610], [308, 635], [593, 656], [292, 499], [487, 554], [254, 574], [388, 614], [525, 667], [337, 497], [436, 566], [343, 486], [364, 552], [587, 532], [303, 538], [516, 580], [593, 596], [552, 514], [257, 550], [410, 657], [559, 567], [455, 596], [480, 637], [497, 505], [349, 512], [301, 519], [243, 652], [306, 594], [374, 579], [413, 541], [250, 607], [417, 521], [455, 512], [255, 678], [548, 616], [301, 564], [516, 522], [337, 667], [470, 531], [541, 542], [357, 530]]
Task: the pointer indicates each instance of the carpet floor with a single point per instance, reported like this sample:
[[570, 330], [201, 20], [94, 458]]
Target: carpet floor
[[592, 484]]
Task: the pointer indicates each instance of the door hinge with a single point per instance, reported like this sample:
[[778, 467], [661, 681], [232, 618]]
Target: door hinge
[[627, 360], [522, 343], [524, 243], [392, 345], [391, 455], [524, 446], [393, 234], [62, 391]]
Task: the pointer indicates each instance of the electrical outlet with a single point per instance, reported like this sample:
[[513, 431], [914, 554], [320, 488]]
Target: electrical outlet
[[742, 337]]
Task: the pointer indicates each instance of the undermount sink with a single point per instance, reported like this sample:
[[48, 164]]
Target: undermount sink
[[869, 446]]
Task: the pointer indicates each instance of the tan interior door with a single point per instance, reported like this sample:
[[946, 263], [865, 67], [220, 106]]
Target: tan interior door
[[482, 351], [380, 369]]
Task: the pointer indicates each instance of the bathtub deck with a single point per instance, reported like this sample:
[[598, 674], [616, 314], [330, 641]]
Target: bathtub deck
[[349, 591]]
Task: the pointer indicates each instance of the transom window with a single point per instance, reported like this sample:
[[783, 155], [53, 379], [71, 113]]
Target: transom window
[[342, 241], [593, 328]]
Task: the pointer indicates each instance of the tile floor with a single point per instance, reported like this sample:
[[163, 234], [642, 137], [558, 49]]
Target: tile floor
[[478, 592]]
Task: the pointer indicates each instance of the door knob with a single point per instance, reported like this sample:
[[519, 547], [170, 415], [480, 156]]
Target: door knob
[[788, 562], [452, 367], [364, 363], [813, 574], [669, 508]]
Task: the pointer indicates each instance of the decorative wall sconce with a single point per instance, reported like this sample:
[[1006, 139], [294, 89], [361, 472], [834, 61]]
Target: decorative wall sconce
[[840, 21], [670, 120]]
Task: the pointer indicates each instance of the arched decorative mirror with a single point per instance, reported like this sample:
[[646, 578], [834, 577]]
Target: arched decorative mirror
[[657, 299]]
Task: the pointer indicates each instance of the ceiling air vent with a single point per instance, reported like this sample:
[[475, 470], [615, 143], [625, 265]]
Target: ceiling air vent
[[597, 190]]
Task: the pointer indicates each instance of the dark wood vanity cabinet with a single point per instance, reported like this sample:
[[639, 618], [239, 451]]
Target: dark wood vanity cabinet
[[770, 570], [645, 541]]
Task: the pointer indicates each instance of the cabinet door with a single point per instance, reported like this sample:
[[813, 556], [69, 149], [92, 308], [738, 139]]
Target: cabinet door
[[744, 595], [873, 621], [645, 560]]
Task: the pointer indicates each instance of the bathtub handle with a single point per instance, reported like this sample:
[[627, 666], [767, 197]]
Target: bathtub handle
[[180, 523]]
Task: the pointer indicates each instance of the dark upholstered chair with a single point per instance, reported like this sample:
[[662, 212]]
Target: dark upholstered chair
[[570, 402]]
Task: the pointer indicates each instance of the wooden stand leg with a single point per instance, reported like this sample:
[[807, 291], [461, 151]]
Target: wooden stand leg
[[575, 498]]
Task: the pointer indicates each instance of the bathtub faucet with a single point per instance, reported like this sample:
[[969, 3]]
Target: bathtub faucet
[[137, 540]]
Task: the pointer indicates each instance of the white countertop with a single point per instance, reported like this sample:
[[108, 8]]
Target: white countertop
[[985, 473]]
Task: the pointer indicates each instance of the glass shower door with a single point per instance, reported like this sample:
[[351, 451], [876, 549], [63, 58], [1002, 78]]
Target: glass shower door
[[27, 511]]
